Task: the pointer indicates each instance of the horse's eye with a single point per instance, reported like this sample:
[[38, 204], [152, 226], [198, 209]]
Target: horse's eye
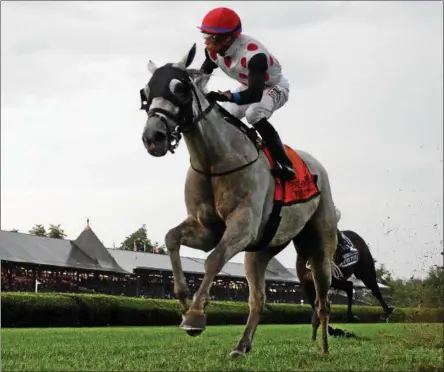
[[180, 89]]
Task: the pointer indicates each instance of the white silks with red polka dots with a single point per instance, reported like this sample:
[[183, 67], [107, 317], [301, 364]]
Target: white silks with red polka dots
[[235, 65]]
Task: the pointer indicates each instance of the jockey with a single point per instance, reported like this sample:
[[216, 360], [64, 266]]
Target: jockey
[[263, 88]]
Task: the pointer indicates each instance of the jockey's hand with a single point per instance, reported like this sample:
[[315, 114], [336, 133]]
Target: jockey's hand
[[219, 96]]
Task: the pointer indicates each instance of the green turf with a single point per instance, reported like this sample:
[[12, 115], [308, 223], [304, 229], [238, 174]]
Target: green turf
[[383, 347]]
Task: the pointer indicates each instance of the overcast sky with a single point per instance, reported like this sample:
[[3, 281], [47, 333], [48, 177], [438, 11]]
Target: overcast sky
[[366, 100]]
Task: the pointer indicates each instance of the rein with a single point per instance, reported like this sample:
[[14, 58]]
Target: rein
[[202, 115], [186, 126]]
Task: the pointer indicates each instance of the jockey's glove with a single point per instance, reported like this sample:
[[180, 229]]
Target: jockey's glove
[[216, 96]]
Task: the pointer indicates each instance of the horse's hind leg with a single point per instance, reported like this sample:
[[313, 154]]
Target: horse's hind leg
[[322, 280], [255, 265], [320, 243], [370, 282], [324, 242], [306, 280]]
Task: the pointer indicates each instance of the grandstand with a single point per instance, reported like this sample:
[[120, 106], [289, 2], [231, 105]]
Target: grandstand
[[85, 265]]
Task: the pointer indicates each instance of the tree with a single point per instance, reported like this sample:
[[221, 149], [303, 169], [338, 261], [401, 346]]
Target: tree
[[433, 288], [138, 240], [38, 230], [383, 275], [55, 231], [414, 291], [159, 248]]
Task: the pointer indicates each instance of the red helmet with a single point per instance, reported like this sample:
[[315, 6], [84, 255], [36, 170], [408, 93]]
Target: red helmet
[[221, 21]]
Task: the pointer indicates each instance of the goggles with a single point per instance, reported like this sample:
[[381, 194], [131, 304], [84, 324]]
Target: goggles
[[212, 38]]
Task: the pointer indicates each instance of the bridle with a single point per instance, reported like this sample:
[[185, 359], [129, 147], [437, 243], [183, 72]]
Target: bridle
[[184, 125], [186, 122]]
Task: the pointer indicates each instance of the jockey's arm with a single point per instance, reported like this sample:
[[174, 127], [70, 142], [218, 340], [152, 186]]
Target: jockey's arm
[[257, 68], [208, 66]]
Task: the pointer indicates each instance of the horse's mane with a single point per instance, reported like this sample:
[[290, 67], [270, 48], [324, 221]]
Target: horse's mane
[[196, 75], [201, 80]]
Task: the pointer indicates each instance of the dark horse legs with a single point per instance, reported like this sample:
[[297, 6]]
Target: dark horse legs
[[365, 270], [370, 282], [347, 287]]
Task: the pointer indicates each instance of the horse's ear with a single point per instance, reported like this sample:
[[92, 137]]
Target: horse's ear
[[152, 67], [188, 59], [191, 55]]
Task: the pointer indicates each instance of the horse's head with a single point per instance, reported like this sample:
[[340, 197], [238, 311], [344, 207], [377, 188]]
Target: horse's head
[[168, 100]]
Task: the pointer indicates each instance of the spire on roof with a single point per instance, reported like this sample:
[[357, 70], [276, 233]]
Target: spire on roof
[[90, 244], [87, 224]]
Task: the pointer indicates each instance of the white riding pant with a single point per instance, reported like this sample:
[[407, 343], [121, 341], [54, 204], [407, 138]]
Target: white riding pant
[[273, 98]]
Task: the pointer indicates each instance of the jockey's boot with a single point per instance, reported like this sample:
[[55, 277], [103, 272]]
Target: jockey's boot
[[274, 144]]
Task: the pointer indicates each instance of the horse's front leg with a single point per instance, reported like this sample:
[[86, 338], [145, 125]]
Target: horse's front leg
[[193, 235], [241, 228], [349, 290]]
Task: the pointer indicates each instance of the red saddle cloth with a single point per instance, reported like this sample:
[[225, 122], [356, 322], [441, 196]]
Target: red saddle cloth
[[299, 190]]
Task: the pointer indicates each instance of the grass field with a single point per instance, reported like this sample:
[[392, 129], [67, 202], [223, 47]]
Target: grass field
[[382, 347]]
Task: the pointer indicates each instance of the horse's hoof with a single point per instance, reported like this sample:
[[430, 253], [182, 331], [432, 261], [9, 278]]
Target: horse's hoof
[[193, 332], [241, 350], [193, 323], [236, 353]]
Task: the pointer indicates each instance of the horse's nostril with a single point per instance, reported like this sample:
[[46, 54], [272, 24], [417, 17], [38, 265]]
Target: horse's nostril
[[159, 136]]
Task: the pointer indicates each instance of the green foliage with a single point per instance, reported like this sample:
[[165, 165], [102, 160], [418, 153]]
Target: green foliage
[[433, 288], [414, 292], [55, 231], [138, 241], [382, 274], [86, 310], [38, 230]]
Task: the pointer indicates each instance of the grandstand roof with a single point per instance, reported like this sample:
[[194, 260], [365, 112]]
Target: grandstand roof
[[87, 252], [89, 243], [40, 250], [130, 260]]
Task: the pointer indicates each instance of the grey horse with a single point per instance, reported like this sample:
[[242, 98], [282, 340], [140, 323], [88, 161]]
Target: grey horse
[[229, 196]]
